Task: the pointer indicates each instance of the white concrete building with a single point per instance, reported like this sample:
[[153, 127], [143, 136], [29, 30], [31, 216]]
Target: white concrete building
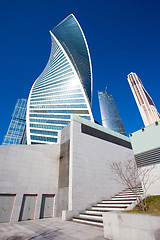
[[61, 179]]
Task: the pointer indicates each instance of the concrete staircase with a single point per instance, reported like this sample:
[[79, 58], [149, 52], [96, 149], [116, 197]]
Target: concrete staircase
[[120, 202]]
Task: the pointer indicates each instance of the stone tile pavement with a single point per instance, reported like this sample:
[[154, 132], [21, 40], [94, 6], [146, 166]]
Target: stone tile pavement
[[49, 229]]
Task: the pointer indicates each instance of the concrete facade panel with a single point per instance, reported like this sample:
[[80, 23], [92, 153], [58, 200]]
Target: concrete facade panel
[[31, 169], [91, 176], [153, 182], [149, 136], [146, 145]]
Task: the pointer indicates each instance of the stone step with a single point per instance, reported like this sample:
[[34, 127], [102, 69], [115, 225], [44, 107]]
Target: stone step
[[91, 216], [95, 212], [112, 204], [108, 208], [119, 202], [129, 194], [88, 221], [128, 190], [124, 198]]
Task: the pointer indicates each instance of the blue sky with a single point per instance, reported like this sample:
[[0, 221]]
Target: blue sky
[[122, 36]]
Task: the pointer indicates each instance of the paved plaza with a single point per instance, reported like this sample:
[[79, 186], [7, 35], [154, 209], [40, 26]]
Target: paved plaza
[[50, 228]]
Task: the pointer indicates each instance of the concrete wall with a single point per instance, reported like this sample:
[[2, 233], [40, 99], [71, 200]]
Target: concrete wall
[[63, 179], [153, 182], [77, 170], [147, 139], [91, 178], [31, 169], [146, 146], [124, 226]]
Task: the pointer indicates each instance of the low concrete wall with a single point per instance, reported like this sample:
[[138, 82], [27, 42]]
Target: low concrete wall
[[132, 226]]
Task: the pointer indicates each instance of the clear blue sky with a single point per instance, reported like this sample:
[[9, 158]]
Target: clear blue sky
[[123, 36]]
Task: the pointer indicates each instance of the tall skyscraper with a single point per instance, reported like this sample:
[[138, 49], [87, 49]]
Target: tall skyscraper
[[64, 87], [109, 113], [144, 102], [17, 125]]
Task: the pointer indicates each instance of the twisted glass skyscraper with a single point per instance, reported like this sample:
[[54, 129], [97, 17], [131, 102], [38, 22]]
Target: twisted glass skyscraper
[[64, 87]]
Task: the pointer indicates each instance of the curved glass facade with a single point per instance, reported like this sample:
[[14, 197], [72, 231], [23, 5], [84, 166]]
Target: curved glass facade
[[63, 88], [109, 113], [74, 43], [17, 125]]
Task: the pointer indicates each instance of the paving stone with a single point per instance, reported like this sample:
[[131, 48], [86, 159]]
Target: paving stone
[[49, 229]]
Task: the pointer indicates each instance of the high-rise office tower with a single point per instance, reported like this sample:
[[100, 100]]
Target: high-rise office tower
[[64, 87], [17, 125], [109, 113], [144, 102]]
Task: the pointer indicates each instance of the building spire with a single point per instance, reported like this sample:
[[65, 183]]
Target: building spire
[[144, 102]]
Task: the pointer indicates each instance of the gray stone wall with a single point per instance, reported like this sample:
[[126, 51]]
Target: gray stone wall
[[91, 177], [30, 169]]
